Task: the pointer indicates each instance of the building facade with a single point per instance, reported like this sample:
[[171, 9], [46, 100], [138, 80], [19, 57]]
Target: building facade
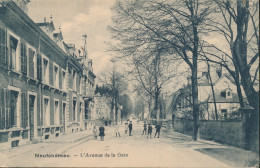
[[45, 89], [226, 98]]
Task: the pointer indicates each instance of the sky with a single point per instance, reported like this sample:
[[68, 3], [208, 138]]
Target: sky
[[78, 17]]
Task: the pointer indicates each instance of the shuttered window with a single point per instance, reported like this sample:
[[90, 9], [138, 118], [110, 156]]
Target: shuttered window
[[24, 122], [31, 63], [7, 108], [3, 48], [39, 67], [23, 59], [13, 56]]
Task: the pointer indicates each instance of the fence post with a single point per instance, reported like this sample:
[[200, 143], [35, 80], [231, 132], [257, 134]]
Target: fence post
[[246, 113]]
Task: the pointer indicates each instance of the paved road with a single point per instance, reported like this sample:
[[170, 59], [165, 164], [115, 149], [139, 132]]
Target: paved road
[[170, 150]]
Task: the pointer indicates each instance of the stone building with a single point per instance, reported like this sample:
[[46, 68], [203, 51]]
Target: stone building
[[45, 86]]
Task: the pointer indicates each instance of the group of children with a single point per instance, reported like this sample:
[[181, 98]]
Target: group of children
[[150, 130], [101, 132], [128, 127]]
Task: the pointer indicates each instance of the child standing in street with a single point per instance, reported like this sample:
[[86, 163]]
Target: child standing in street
[[117, 130], [126, 127], [130, 126], [145, 129], [102, 132], [95, 132], [150, 130], [158, 128]]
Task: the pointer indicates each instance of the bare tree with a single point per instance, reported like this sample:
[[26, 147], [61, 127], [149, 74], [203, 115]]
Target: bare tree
[[116, 84], [176, 25], [240, 28]]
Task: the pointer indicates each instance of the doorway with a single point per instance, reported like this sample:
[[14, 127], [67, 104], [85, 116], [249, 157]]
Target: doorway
[[63, 115], [31, 115]]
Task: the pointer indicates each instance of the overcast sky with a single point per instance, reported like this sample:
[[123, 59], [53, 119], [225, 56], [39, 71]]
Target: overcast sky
[[77, 17]]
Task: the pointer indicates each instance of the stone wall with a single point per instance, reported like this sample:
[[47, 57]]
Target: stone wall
[[227, 132]]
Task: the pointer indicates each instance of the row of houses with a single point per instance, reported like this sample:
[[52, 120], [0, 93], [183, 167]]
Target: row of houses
[[46, 85]]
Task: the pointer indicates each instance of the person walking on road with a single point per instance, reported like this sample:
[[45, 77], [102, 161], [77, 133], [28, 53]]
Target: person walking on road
[[158, 128], [126, 127], [95, 132], [130, 126], [117, 130], [150, 130], [145, 129], [102, 132]]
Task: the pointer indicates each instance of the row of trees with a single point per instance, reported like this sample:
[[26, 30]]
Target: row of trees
[[115, 88], [150, 33]]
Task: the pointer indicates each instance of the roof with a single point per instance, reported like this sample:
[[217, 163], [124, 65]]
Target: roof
[[69, 45], [220, 99], [59, 34], [228, 76], [50, 24], [203, 81]]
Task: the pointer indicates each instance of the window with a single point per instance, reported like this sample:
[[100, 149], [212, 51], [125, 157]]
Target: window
[[74, 81], [224, 113], [13, 53], [56, 77], [228, 93], [80, 85], [46, 112], [3, 56], [32, 63], [23, 59], [74, 110], [56, 113], [63, 80], [45, 75], [13, 107]]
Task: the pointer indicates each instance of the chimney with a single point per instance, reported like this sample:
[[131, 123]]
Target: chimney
[[44, 19]]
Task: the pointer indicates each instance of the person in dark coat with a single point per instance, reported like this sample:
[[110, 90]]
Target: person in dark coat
[[150, 130], [102, 132], [173, 117], [130, 126], [145, 129], [157, 128]]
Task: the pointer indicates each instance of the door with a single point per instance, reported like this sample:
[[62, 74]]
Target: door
[[31, 117], [63, 115]]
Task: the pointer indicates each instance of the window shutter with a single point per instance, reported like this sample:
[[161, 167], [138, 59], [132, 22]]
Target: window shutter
[[24, 122], [7, 108], [23, 59], [51, 73], [60, 111], [39, 67], [3, 48], [31, 63], [60, 78], [2, 109]]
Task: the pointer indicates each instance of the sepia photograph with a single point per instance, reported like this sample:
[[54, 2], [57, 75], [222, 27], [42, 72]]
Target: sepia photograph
[[129, 83]]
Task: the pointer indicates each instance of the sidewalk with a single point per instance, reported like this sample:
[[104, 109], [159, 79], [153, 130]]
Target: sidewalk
[[228, 154], [70, 138]]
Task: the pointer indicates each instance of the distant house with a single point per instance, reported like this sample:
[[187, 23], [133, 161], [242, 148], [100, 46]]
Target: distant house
[[227, 101]]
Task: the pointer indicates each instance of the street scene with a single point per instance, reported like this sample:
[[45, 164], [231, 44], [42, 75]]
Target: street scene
[[172, 149], [129, 83]]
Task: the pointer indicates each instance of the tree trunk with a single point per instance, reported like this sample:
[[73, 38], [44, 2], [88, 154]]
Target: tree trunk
[[157, 112], [194, 87], [194, 77], [213, 92]]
